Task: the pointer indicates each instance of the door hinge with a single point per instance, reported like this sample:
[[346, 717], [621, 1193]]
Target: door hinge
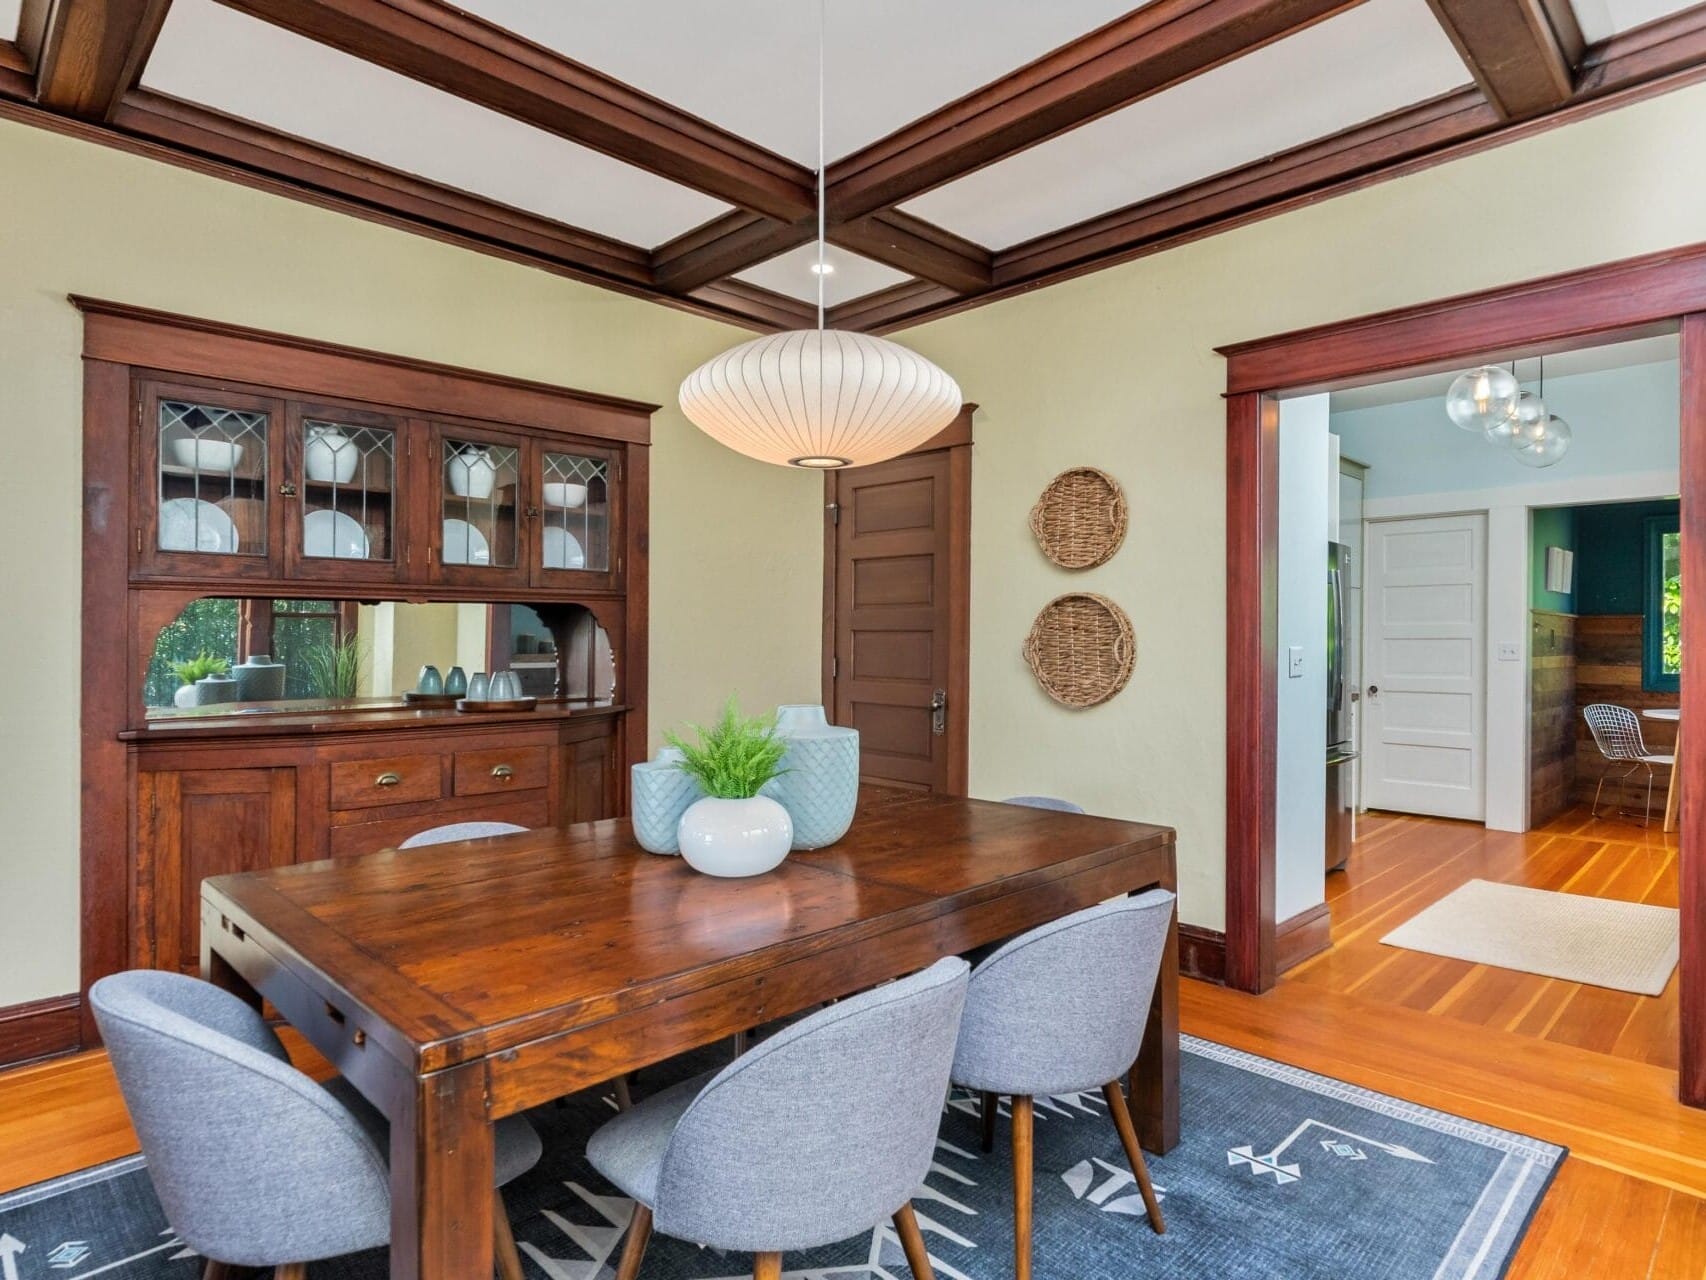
[[834, 509], [834, 668], [139, 541]]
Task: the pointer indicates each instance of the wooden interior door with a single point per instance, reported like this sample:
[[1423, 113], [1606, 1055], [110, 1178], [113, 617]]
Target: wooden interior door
[[898, 569]]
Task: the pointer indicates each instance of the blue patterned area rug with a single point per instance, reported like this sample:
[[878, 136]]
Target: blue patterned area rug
[[1281, 1173]]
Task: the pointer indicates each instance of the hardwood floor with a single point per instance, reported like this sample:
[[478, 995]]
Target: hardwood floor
[[1529, 1055], [1401, 864]]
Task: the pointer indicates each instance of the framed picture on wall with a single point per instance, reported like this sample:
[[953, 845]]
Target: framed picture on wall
[[1560, 570]]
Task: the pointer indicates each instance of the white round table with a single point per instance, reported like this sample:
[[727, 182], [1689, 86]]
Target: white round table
[[1673, 793]]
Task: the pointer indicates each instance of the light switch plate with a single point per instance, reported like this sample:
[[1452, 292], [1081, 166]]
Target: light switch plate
[[1294, 661], [1510, 653]]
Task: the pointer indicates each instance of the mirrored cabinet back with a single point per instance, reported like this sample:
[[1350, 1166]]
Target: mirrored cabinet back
[[287, 535]]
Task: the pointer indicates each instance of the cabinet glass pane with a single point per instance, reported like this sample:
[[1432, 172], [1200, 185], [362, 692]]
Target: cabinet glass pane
[[213, 479], [481, 482], [576, 510], [348, 490]]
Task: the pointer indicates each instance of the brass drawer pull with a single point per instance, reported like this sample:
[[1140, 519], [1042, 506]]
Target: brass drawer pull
[[502, 772], [387, 779]]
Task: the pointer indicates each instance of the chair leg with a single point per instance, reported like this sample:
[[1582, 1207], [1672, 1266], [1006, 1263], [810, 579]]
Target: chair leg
[[218, 1271], [624, 1099], [1647, 813], [639, 1236], [291, 1271], [991, 1104], [1022, 1157], [912, 1241], [1594, 810], [504, 1252], [1133, 1152], [767, 1266]]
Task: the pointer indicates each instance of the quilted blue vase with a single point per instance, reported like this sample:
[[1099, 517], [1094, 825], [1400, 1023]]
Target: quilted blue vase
[[662, 793], [820, 785]]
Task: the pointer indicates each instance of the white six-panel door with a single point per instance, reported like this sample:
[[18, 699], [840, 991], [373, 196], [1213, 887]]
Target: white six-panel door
[[1424, 650]]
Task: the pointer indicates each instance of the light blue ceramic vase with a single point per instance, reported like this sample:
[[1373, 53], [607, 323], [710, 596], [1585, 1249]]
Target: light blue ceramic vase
[[661, 794], [820, 784]]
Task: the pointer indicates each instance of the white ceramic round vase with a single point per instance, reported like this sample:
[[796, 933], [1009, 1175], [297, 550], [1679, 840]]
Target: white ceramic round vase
[[735, 837], [329, 457], [472, 474]]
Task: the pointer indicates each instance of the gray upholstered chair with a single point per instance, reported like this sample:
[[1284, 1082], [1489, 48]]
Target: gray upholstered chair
[[1045, 802], [817, 1134], [255, 1164], [453, 831], [1062, 1009]]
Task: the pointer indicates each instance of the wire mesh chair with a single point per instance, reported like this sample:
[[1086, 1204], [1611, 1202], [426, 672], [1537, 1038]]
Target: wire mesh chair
[[1617, 733]]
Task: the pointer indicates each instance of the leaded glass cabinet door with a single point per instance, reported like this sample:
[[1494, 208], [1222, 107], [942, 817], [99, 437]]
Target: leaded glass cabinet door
[[345, 521], [478, 538], [207, 498], [576, 506]]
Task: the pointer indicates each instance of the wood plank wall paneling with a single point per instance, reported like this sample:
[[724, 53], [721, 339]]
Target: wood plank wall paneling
[[1552, 714], [1608, 669]]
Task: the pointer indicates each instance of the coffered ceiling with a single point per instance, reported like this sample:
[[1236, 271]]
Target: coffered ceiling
[[977, 147]]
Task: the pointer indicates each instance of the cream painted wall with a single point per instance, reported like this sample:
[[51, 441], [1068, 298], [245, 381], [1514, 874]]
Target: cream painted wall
[[736, 555], [1117, 370]]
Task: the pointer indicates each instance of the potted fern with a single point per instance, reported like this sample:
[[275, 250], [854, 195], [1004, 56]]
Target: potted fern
[[733, 830], [203, 679]]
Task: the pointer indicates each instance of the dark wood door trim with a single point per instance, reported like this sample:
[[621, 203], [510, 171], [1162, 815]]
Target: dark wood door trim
[[956, 440], [1658, 291]]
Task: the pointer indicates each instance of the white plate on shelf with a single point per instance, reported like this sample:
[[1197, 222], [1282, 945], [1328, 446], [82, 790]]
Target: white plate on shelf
[[464, 544], [562, 550], [189, 524], [333, 535]]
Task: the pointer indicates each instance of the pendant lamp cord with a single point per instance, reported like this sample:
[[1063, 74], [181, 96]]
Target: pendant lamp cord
[[820, 161]]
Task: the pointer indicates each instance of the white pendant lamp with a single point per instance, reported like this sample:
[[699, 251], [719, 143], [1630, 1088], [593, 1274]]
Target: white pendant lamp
[[820, 398]]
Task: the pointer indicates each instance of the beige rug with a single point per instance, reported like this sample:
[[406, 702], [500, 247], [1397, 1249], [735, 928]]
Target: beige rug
[[1627, 946]]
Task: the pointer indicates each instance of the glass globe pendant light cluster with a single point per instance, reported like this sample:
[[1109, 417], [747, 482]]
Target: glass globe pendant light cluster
[[1490, 400]]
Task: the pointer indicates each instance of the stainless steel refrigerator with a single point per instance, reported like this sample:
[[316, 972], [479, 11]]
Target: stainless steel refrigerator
[[1341, 751]]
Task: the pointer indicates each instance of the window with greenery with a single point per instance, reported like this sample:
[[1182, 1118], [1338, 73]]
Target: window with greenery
[[1661, 625], [310, 637]]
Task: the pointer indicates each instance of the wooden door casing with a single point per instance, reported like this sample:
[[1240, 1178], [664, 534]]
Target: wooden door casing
[[198, 823], [896, 595]]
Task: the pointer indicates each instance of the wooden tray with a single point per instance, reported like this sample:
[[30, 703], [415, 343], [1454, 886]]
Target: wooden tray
[[507, 704], [415, 698]]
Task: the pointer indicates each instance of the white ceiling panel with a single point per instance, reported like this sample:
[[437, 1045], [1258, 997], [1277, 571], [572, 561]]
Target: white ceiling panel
[[851, 276], [218, 58], [750, 66], [1602, 19], [9, 19], [1373, 59]]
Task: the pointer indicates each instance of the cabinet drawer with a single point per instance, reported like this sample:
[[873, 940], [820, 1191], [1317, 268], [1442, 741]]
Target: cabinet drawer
[[530, 810], [480, 773], [359, 784]]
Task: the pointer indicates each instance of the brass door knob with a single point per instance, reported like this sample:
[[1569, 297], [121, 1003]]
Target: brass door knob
[[387, 779]]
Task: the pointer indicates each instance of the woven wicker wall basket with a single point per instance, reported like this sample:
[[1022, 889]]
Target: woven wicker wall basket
[[1080, 519], [1081, 649]]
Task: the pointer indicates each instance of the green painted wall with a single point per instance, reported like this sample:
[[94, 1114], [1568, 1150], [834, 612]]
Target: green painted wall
[[1552, 527], [1608, 554]]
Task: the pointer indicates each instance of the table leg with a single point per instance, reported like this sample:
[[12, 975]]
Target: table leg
[[216, 969], [1154, 1083], [441, 1180], [1673, 793]]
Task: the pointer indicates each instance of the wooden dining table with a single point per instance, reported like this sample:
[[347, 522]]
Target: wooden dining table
[[1673, 791], [457, 984]]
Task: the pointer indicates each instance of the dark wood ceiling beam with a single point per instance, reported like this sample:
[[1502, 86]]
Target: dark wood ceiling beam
[[484, 64], [890, 308], [87, 54], [919, 248], [16, 78], [319, 169], [775, 309], [723, 246], [1514, 52], [1160, 44]]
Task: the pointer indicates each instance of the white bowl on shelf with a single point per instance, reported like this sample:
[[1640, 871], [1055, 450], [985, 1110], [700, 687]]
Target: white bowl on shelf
[[559, 493], [206, 455]]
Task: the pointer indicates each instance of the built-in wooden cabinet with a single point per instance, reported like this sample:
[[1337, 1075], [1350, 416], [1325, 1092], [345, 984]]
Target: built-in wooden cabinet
[[297, 475]]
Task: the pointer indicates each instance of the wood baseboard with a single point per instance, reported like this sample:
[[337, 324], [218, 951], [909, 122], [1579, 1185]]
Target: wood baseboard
[[1305, 934], [39, 1029], [1202, 953]]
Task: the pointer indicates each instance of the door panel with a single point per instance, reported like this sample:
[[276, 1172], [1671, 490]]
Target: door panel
[[1425, 706], [894, 617]]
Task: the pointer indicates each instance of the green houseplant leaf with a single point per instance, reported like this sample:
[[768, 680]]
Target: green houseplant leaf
[[333, 668], [735, 757], [203, 664]]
